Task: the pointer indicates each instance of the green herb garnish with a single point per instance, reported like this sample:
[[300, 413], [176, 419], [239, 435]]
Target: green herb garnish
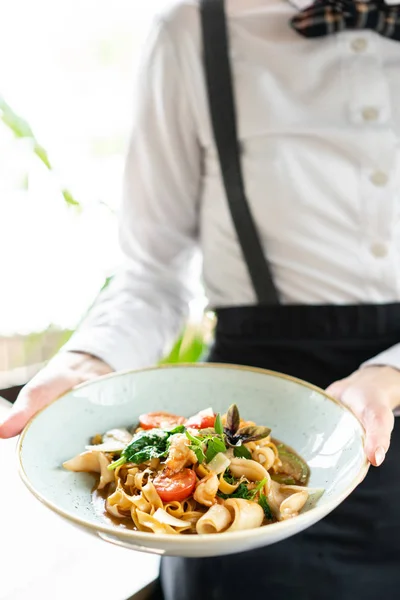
[[146, 445], [263, 502], [242, 491], [241, 452], [214, 446], [258, 487], [197, 446], [218, 425], [229, 478], [236, 436], [213, 442]]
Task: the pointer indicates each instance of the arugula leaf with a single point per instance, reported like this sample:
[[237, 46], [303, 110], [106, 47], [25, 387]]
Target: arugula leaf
[[177, 429], [258, 487], [263, 502], [146, 445], [218, 425], [242, 491], [229, 478], [242, 452]]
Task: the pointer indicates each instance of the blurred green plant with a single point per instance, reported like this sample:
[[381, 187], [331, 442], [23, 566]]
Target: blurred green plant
[[189, 348], [21, 129]]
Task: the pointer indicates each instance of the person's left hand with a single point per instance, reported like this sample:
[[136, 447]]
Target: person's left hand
[[372, 393]]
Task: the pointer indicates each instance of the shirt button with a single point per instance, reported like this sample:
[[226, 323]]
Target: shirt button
[[370, 113], [379, 178], [359, 44], [379, 250]]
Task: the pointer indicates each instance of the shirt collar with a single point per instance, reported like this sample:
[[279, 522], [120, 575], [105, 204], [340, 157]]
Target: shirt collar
[[302, 4]]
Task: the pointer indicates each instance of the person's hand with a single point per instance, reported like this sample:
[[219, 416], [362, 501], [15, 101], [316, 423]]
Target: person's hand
[[372, 393], [62, 373]]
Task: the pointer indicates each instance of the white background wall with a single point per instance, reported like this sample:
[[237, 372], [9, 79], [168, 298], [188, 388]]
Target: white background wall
[[68, 68]]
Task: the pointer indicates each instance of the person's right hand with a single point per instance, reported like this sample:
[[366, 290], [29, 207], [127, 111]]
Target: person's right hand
[[62, 373]]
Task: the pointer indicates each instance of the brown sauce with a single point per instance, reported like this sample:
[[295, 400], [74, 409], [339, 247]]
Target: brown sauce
[[293, 463], [99, 498]]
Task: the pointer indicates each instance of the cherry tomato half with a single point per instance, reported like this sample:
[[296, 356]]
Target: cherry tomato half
[[201, 421], [178, 486], [161, 420]]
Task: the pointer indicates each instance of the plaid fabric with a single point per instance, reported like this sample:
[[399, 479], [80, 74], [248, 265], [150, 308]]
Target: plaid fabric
[[331, 16]]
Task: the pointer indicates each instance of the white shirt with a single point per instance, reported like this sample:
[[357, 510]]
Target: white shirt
[[319, 125]]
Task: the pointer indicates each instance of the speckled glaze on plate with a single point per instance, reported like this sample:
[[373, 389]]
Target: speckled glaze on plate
[[326, 434]]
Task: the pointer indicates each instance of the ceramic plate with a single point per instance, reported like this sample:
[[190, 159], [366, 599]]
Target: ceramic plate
[[323, 432]]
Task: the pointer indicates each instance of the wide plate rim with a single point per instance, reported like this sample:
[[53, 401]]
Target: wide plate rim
[[151, 540]]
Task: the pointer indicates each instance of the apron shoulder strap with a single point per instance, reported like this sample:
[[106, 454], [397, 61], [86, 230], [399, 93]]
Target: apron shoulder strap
[[223, 118]]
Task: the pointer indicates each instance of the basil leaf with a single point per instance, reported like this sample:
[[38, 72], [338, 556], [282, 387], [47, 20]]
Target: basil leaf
[[197, 446], [241, 452], [214, 446], [233, 419], [218, 425], [198, 450], [252, 433], [195, 440]]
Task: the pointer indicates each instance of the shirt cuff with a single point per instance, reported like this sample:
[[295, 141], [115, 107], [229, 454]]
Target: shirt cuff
[[117, 351], [387, 358]]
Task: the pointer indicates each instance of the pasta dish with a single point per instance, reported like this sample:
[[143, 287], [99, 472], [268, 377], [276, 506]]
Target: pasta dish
[[210, 473]]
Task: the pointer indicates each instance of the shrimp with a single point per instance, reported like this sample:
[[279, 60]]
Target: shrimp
[[179, 455], [206, 490]]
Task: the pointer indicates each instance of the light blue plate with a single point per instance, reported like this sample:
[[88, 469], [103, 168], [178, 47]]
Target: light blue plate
[[323, 432]]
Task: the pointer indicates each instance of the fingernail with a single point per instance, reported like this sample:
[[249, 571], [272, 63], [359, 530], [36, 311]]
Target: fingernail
[[380, 456]]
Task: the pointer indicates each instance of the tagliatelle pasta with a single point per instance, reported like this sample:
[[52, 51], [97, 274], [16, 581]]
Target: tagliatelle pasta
[[202, 475]]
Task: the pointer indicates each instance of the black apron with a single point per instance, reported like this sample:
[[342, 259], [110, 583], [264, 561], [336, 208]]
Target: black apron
[[354, 553]]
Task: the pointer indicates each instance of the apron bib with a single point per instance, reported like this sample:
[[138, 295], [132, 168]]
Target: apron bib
[[354, 553]]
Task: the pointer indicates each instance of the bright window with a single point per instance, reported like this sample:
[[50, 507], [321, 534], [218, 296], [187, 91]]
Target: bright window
[[68, 69]]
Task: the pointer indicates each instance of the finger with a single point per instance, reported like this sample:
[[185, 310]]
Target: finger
[[32, 398], [375, 416], [378, 421], [29, 401], [14, 423]]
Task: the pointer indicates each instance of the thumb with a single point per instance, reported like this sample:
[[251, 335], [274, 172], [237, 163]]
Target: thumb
[[14, 423], [337, 388], [29, 402], [33, 397]]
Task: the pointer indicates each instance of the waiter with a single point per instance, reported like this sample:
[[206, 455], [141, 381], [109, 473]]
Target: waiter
[[267, 136]]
